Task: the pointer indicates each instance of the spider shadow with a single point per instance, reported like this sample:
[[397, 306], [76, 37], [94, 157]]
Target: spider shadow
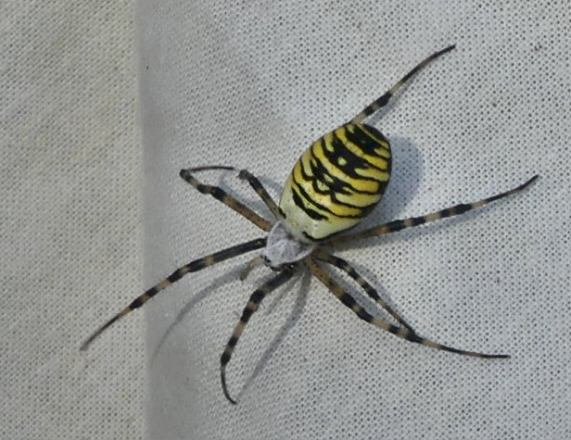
[[290, 322], [228, 278]]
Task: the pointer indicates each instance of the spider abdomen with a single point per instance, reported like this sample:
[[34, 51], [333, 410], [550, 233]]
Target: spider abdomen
[[336, 182]]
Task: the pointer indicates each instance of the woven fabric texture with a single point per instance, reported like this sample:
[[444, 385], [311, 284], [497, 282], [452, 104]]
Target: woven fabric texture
[[251, 84], [70, 234]]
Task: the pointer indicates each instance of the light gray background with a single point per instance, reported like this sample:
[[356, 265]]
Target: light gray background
[[251, 84], [70, 220]]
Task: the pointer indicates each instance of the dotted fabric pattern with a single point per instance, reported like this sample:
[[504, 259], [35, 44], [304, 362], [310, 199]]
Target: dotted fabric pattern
[[251, 84], [70, 220]]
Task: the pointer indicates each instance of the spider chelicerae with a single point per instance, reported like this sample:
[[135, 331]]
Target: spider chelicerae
[[336, 182]]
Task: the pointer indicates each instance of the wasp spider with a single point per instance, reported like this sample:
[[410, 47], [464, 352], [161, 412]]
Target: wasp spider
[[335, 183]]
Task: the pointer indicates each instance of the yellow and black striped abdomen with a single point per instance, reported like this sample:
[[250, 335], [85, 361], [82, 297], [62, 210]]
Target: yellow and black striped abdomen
[[337, 181]]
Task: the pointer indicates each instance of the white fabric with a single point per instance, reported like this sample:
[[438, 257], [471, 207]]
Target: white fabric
[[70, 223], [251, 84]]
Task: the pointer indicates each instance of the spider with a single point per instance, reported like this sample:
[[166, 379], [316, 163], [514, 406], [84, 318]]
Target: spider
[[335, 183]]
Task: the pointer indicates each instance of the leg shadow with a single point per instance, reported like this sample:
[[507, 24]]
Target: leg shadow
[[222, 280], [288, 325]]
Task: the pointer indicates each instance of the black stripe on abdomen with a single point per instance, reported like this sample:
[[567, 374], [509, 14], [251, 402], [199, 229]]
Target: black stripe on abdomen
[[299, 203]]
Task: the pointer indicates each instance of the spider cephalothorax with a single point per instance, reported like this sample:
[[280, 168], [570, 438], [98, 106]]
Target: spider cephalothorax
[[283, 248], [336, 182]]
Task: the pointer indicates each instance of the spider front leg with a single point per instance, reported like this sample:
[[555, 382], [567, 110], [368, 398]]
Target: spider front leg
[[219, 194], [252, 264], [370, 290], [261, 191], [193, 266], [398, 225], [253, 303], [251, 179], [401, 332]]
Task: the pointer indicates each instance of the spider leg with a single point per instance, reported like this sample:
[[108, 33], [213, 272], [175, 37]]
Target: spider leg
[[193, 266], [384, 99], [252, 264], [401, 332], [253, 304], [261, 191], [252, 180], [219, 194], [370, 290], [397, 225]]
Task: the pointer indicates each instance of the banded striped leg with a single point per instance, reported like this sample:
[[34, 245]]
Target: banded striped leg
[[384, 100], [370, 290], [253, 304], [401, 332], [261, 191], [252, 264], [219, 194], [397, 225], [193, 266], [252, 180]]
